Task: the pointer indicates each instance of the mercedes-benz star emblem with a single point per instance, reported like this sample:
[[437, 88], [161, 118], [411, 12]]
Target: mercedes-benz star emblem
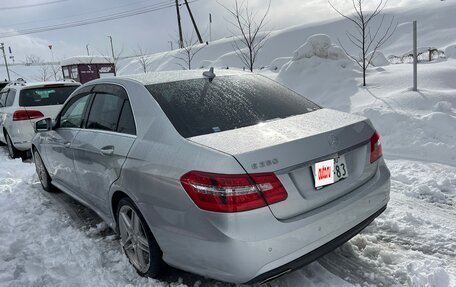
[[333, 141]]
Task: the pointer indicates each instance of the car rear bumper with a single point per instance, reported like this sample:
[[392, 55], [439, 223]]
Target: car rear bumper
[[317, 253], [254, 245], [21, 133]]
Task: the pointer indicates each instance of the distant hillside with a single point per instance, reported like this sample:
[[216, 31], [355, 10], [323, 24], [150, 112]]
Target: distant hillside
[[436, 28]]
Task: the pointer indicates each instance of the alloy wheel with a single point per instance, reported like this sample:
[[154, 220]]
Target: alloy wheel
[[134, 239], [40, 170]]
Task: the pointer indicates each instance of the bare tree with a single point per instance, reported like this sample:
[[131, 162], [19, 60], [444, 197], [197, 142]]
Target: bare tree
[[56, 72], [45, 73], [248, 34], [117, 56], [142, 56], [368, 37], [186, 54], [33, 59]]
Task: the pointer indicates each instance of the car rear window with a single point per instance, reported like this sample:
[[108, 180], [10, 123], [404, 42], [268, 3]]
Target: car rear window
[[46, 96], [197, 107]]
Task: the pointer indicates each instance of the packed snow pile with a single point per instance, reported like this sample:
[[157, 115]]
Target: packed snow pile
[[41, 245], [277, 63], [319, 45], [379, 59], [321, 71], [420, 130], [450, 51]]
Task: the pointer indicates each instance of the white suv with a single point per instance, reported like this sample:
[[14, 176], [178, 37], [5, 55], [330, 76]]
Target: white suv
[[22, 104]]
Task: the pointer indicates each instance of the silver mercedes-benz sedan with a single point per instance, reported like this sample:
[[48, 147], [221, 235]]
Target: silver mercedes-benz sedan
[[225, 174]]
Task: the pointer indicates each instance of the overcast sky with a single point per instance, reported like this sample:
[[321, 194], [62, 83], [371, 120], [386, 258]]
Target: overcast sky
[[151, 30]]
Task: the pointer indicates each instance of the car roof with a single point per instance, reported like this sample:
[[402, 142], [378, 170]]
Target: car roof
[[180, 75], [22, 84]]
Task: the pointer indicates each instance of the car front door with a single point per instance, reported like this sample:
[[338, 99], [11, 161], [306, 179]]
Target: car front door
[[100, 149], [58, 143]]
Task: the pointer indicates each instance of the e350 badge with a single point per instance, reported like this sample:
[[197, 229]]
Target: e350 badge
[[265, 163]]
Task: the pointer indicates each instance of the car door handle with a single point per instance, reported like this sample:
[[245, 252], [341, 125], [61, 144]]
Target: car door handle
[[67, 144], [107, 150]]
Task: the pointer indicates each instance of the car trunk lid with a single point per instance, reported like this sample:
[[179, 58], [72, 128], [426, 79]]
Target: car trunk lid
[[289, 148]]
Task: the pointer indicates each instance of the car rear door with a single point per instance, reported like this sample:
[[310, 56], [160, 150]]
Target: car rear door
[[100, 149]]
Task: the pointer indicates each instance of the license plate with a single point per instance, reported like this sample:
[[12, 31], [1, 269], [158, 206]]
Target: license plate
[[329, 171]]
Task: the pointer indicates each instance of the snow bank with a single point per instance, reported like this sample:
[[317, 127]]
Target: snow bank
[[40, 244], [318, 69], [413, 240], [86, 60], [319, 45], [419, 275], [277, 63], [379, 59], [450, 51], [428, 137]]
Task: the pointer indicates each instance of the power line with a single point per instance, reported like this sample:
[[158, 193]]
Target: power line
[[88, 21], [86, 13], [114, 16], [32, 5]]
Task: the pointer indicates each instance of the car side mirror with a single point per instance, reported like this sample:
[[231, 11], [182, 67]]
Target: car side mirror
[[43, 125]]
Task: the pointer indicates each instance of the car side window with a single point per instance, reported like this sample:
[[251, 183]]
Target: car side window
[[126, 121], [3, 99], [105, 112], [73, 113], [10, 98]]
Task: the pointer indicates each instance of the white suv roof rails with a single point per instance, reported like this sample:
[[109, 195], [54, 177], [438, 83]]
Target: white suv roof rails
[[18, 82]]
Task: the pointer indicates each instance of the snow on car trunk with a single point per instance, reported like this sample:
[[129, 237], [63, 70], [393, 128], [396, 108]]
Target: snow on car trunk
[[291, 146]]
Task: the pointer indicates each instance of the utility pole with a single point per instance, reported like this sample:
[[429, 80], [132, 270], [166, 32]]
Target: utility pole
[[87, 48], [52, 53], [52, 66], [2, 46], [193, 21], [112, 53], [210, 27], [181, 38], [415, 58]]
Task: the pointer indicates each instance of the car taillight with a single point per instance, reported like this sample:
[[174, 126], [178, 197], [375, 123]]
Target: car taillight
[[22, 115], [232, 193], [376, 147]]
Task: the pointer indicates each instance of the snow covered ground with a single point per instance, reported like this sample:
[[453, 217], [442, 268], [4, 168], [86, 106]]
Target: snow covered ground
[[48, 239]]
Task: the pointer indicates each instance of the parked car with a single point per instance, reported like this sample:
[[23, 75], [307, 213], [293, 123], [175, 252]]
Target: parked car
[[3, 84], [230, 176], [22, 104]]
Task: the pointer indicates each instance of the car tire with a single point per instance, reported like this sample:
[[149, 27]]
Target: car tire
[[137, 240], [12, 151], [42, 173]]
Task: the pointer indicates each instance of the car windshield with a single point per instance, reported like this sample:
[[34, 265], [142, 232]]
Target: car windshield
[[46, 96], [197, 107]]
